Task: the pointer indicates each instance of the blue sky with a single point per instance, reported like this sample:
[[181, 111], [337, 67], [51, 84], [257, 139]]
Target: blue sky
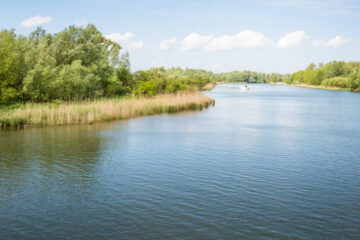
[[261, 35]]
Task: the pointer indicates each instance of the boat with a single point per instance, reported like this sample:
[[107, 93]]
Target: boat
[[244, 87]]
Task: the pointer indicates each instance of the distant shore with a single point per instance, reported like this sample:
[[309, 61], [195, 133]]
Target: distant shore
[[51, 114], [319, 87], [278, 83], [303, 85]]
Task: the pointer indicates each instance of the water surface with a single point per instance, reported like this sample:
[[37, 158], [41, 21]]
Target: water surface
[[275, 162]]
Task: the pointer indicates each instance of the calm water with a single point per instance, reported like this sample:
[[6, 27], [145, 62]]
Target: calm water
[[275, 162]]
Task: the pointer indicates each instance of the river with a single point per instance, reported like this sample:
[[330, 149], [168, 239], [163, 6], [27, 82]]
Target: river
[[274, 162]]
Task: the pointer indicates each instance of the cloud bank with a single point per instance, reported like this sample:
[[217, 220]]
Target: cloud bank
[[120, 38], [249, 39], [126, 40], [36, 21], [244, 39], [334, 42], [194, 41], [136, 45], [293, 39]]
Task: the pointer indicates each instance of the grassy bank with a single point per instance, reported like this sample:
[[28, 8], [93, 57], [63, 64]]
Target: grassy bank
[[303, 85], [50, 114]]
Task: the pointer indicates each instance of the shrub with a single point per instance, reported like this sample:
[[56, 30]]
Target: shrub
[[147, 88], [342, 82]]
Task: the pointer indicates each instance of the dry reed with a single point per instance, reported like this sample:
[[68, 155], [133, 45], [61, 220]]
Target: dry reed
[[208, 86], [48, 114]]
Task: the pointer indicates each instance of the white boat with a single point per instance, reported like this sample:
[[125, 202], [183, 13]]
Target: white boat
[[244, 87]]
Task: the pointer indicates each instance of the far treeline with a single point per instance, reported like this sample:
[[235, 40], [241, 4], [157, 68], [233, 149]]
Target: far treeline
[[80, 63], [333, 74]]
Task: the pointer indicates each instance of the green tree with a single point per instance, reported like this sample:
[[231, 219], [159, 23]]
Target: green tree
[[147, 88], [312, 66], [354, 81], [335, 69], [12, 65], [76, 63]]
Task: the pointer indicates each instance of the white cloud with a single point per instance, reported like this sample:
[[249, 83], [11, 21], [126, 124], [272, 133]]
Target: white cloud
[[36, 21], [126, 40], [165, 44], [292, 39], [136, 45], [194, 41], [334, 42], [81, 22], [337, 41], [120, 38], [244, 39]]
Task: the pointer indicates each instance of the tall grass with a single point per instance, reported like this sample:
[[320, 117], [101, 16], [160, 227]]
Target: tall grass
[[48, 114], [208, 86]]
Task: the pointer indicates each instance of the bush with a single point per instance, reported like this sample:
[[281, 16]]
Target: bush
[[147, 88], [354, 81], [173, 87], [314, 76], [342, 82]]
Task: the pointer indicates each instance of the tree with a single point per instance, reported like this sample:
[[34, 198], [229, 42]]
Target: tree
[[313, 76], [335, 69], [312, 66], [76, 63], [354, 81], [12, 65]]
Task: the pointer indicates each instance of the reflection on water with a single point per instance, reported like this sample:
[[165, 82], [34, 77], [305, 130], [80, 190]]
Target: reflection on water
[[275, 162]]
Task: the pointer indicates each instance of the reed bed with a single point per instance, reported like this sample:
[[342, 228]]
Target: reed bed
[[208, 86], [50, 114]]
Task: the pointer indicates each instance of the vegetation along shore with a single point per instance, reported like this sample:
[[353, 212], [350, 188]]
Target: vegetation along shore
[[49, 114], [335, 75]]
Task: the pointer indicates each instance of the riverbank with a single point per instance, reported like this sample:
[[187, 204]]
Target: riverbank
[[303, 85], [277, 83], [209, 86], [51, 114]]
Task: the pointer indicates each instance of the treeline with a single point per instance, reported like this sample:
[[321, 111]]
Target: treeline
[[252, 77], [160, 80], [333, 74]]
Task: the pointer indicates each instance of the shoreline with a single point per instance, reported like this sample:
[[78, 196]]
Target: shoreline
[[321, 87], [208, 86], [303, 85], [89, 112]]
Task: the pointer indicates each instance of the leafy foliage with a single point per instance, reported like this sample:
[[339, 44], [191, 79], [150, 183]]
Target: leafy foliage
[[252, 77], [333, 74], [342, 82], [12, 65], [74, 64]]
